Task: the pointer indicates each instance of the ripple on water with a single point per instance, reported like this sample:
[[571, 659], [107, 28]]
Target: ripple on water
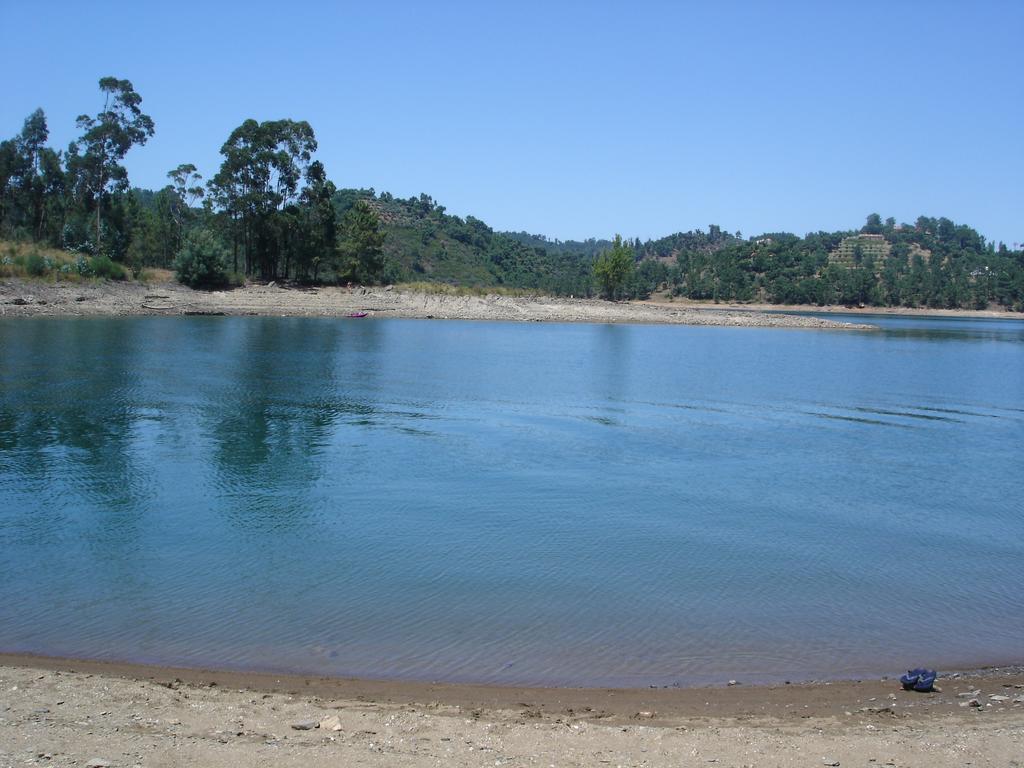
[[624, 508]]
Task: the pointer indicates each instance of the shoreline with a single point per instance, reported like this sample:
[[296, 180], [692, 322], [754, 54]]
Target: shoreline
[[28, 298], [68, 712], [834, 309], [670, 701], [20, 298]]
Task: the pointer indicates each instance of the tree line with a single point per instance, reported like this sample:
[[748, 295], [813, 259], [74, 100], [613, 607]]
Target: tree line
[[271, 213], [933, 263], [268, 213]]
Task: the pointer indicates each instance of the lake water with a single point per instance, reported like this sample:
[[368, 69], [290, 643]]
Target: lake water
[[513, 503]]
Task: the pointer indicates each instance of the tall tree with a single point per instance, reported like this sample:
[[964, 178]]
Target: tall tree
[[12, 171], [614, 269], [95, 157], [186, 183], [173, 208], [264, 164], [21, 184], [361, 247], [318, 238], [50, 199]]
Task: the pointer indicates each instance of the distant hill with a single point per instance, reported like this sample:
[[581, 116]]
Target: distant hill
[[694, 241], [931, 263], [589, 248], [425, 243]]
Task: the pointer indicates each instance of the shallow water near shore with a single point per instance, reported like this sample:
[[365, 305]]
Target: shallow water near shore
[[510, 503]]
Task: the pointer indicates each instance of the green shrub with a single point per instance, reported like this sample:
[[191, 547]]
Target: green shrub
[[202, 261], [103, 267], [36, 265]]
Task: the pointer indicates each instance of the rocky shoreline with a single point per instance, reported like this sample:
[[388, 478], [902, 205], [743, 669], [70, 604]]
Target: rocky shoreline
[[88, 713], [20, 298]]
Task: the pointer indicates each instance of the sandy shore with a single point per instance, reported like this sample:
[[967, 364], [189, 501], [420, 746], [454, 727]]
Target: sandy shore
[[63, 712], [34, 299]]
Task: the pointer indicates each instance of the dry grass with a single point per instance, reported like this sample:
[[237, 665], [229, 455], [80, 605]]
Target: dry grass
[[156, 276], [31, 260]]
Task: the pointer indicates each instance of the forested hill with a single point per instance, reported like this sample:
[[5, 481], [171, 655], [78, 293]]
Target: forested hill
[[590, 248], [930, 263], [271, 212], [933, 262], [695, 241], [422, 242]]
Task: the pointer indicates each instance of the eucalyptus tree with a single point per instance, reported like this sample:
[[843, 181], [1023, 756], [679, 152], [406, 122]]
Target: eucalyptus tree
[[25, 168], [260, 176], [8, 173], [173, 208], [186, 184], [48, 198], [94, 159], [12, 174], [318, 222]]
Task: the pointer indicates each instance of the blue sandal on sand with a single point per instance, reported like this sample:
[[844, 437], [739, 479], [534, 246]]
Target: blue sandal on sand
[[911, 679], [925, 681]]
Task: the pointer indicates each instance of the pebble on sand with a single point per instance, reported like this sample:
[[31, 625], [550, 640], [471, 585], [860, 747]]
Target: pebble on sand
[[330, 723]]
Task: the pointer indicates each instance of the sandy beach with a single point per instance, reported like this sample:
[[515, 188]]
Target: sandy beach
[[79, 713], [39, 299]]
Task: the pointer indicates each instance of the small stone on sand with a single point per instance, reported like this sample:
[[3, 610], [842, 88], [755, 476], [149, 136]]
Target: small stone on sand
[[330, 723]]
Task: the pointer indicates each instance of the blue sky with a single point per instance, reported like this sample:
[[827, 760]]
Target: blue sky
[[573, 119]]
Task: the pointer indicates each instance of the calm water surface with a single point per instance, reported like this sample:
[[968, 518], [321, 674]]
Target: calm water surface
[[552, 504]]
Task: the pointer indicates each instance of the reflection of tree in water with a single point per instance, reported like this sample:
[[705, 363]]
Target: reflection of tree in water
[[9, 432], [275, 416], [613, 358], [67, 425]]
